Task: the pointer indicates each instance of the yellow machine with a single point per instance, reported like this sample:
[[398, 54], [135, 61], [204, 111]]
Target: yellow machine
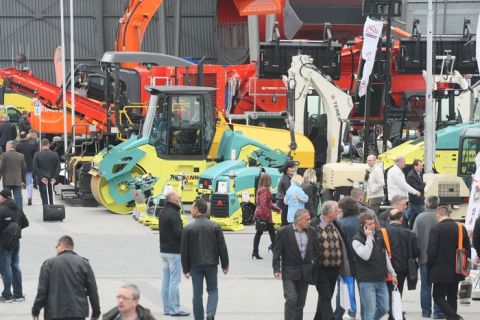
[[182, 133]]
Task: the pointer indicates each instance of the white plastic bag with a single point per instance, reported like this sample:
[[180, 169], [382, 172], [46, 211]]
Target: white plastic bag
[[344, 295], [397, 311]]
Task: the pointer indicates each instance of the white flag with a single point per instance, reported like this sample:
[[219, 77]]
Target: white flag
[[371, 33], [478, 44]]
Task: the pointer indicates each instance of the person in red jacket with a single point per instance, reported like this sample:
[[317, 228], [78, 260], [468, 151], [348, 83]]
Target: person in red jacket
[[264, 212]]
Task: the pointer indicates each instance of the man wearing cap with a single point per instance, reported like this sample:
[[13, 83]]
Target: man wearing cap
[[12, 220], [13, 171]]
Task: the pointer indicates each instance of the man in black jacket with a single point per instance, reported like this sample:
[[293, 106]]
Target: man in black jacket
[[372, 266], [404, 245], [203, 244], [441, 252], [295, 255], [12, 221], [23, 123], [25, 147], [46, 165], [7, 132], [170, 239], [416, 203], [64, 284]]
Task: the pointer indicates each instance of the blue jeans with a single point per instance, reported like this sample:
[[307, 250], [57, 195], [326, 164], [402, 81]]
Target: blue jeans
[[210, 275], [426, 294], [413, 211], [339, 311], [172, 268], [373, 300], [29, 184], [11, 273], [17, 194]]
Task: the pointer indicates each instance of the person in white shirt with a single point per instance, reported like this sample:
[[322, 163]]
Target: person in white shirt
[[396, 182], [375, 181]]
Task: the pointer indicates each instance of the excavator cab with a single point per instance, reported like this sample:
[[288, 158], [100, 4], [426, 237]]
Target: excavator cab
[[182, 122], [316, 126]]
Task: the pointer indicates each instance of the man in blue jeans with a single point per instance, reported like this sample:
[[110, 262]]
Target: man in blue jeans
[[170, 237], [372, 267], [203, 245], [422, 226], [12, 220]]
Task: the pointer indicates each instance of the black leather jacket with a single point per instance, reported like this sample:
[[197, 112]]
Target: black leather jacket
[[170, 228], [203, 244], [64, 284]]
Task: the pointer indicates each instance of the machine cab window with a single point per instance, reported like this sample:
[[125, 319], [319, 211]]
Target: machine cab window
[[182, 125]]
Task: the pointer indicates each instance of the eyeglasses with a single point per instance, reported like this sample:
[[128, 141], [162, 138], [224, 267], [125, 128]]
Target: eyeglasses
[[120, 297]]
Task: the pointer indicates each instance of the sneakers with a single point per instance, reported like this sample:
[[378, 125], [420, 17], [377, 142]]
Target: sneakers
[[5, 300], [19, 299], [180, 314]]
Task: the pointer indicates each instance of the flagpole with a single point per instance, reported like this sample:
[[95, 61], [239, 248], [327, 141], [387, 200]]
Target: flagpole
[[64, 88], [72, 77]]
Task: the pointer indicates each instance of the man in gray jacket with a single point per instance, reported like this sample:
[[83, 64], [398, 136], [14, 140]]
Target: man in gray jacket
[[13, 171], [375, 181], [64, 284], [424, 222]]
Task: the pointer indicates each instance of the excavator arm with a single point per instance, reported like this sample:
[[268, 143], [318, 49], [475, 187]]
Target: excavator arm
[[133, 24], [303, 75], [90, 111]]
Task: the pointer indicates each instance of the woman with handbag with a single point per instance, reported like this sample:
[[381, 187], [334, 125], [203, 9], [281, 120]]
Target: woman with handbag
[[263, 213]]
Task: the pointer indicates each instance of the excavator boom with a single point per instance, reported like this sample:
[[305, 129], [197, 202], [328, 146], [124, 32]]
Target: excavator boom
[[133, 24]]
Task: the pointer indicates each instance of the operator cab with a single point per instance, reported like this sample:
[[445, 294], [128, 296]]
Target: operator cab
[[468, 149], [180, 121], [315, 126]]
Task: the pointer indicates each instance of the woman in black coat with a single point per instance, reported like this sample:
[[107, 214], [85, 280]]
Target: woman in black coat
[[310, 187], [288, 169]]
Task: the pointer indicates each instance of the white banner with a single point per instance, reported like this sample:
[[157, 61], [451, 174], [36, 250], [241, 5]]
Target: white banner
[[478, 43], [473, 211], [371, 33]]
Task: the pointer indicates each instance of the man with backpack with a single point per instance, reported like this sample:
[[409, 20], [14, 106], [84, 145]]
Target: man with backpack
[[12, 221]]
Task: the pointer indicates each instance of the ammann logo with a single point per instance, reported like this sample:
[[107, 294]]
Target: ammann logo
[[188, 177]]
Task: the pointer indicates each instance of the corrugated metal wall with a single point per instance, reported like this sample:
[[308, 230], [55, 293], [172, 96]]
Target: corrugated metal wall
[[33, 27], [450, 15]]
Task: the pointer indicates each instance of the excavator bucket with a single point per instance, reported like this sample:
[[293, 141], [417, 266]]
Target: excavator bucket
[[258, 7]]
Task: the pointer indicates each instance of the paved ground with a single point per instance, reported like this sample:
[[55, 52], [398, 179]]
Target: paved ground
[[121, 250]]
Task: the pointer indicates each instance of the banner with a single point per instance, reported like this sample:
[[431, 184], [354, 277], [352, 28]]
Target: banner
[[57, 62], [371, 33], [478, 44], [473, 211]]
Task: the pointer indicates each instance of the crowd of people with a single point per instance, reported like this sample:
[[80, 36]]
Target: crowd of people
[[350, 241], [332, 246]]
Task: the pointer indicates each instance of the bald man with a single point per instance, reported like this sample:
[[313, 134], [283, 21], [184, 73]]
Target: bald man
[[375, 181], [170, 237]]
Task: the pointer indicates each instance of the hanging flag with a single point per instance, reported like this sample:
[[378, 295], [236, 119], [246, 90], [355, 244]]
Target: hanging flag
[[478, 44], [57, 62], [371, 33]]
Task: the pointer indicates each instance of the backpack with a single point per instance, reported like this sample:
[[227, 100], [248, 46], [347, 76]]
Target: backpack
[[11, 234]]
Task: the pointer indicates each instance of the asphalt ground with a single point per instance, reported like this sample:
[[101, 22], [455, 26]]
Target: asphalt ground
[[122, 250]]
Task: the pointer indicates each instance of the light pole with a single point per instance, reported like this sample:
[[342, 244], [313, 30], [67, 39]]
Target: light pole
[[429, 135]]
